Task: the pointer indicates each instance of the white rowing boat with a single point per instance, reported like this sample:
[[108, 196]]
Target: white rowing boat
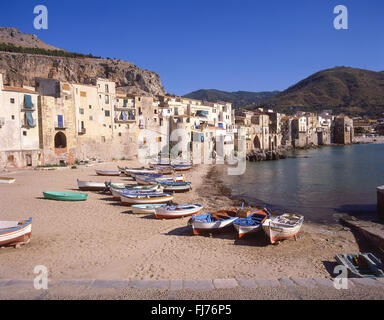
[[146, 208], [15, 232], [170, 212], [283, 227], [91, 186], [129, 199], [213, 222], [7, 180]]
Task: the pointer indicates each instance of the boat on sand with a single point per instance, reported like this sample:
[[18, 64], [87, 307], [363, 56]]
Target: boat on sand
[[91, 186], [177, 211], [252, 223], [213, 221], [7, 180], [15, 232], [283, 227], [146, 208], [65, 196], [107, 173]]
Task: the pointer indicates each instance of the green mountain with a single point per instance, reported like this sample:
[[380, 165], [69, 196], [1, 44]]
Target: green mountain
[[238, 99], [342, 89]]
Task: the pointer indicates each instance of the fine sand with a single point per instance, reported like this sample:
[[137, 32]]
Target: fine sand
[[101, 239]]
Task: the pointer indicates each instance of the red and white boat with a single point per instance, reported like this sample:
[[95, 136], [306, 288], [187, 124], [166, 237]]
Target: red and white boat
[[129, 199], [15, 232], [171, 212], [283, 227]]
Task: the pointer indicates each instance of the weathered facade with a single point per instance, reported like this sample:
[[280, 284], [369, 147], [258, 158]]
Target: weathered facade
[[343, 129], [19, 128]]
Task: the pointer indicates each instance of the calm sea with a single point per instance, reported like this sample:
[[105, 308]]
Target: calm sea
[[318, 183]]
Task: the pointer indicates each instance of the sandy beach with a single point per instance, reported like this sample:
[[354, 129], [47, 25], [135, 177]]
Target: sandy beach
[[101, 239]]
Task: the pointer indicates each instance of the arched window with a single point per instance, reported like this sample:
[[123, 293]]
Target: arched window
[[60, 140], [256, 143]]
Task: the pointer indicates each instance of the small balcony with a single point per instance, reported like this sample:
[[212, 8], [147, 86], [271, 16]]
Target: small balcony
[[82, 131], [127, 120], [60, 126]]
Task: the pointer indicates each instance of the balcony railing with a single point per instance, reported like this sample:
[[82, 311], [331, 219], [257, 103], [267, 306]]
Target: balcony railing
[[60, 126], [127, 120]]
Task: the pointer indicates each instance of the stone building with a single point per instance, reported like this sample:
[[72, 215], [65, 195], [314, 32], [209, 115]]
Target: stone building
[[343, 130], [19, 127], [57, 121]]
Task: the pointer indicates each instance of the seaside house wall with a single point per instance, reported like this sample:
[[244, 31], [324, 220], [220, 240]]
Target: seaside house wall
[[260, 135], [343, 130], [126, 124], [152, 129], [299, 132], [57, 121], [19, 128]]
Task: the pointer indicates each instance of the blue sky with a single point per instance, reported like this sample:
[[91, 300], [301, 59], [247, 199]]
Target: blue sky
[[226, 45]]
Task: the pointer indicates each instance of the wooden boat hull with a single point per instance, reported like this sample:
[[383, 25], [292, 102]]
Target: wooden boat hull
[[182, 167], [91, 186], [142, 199], [252, 223], [7, 180], [65, 196], [201, 224], [180, 188], [17, 234], [107, 173], [277, 231], [170, 212], [146, 208], [116, 193]]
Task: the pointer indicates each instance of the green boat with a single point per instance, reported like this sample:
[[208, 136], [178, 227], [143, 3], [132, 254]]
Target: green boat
[[65, 196], [363, 265]]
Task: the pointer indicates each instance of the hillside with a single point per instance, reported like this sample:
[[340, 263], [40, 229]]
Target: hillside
[[20, 65], [238, 98], [342, 89]]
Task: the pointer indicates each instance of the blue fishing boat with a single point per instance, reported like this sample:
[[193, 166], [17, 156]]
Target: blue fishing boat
[[252, 223]]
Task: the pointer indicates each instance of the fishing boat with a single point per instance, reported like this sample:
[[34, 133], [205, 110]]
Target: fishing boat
[[213, 222], [362, 265], [145, 181], [146, 208], [170, 212], [133, 187], [91, 186], [116, 193], [160, 162], [164, 169], [107, 173], [129, 199], [65, 196], [182, 167], [171, 179], [147, 174], [252, 223], [15, 232], [7, 180], [283, 227], [131, 172], [171, 186]]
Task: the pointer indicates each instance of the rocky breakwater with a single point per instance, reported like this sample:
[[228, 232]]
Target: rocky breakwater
[[261, 155]]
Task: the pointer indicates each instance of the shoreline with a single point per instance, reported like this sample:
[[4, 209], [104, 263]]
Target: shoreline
[[101, 239]]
